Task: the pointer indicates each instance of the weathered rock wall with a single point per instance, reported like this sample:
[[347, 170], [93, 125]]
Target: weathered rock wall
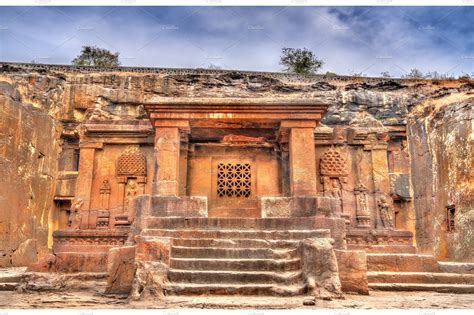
[[41, 103], [28, 166], [441, 148]]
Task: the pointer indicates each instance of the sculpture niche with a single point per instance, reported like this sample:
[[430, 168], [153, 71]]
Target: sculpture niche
[[333, 175]]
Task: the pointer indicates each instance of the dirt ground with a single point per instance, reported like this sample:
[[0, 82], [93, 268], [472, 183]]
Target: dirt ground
[[376, 300]]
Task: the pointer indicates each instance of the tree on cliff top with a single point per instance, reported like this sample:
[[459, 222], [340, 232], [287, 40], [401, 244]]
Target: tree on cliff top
[[300, 61], [95, 56]]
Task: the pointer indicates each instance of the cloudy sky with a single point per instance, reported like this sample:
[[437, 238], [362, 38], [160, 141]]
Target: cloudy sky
[[367, 40]]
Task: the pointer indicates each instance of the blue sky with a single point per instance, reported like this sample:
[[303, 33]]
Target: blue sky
[[366, 40]]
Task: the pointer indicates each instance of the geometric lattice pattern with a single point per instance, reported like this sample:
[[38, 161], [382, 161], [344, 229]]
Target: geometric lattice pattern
[[131, 164], [234, 180], [333, 164]]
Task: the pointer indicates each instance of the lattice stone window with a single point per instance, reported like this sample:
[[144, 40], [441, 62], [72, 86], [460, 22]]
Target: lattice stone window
[[234, 179], [131, 164], [333, 163]]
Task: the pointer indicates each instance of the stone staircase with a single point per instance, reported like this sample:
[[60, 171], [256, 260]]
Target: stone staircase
[[10, 278], [234, 256], [415, 272]]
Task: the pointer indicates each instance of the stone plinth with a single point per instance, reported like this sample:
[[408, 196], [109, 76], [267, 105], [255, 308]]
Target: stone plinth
[[81, 250], [287, 207]]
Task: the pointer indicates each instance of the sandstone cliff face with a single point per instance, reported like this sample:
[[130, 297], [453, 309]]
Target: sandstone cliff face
[[441, 149], [29, 148], [40, 105]]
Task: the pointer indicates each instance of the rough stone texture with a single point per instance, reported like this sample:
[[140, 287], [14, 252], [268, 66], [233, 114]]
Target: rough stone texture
[[120, 270], [29, 147], [149, 281], [319, 266], [179, 206], [353, 271], [155, 249], [44, 282], [285, 207], [400, 186], [441, 146], [25, 254], [402, 262]]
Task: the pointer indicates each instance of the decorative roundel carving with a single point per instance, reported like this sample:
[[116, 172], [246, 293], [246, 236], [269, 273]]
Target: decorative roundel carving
[[333, 164], [131, 164]]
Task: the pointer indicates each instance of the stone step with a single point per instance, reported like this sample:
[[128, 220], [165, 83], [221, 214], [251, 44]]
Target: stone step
[[57, 281], [232, 243], [11, 277], [247, 253], [420, 277], [456, 267], [233, 277], [388, 249], [296, 223], [8, 286], [435, 287], [236, 264], [234, 289], [401, 262], [238, 234]]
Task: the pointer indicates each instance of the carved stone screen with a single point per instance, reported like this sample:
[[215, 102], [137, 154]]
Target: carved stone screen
[[234, 180], [131, 164]]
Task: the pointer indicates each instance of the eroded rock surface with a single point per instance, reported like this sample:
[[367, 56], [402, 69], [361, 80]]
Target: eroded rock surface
[[319, 267]]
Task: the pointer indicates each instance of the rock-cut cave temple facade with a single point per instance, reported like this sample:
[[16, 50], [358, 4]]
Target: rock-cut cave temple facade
[[194, 181]]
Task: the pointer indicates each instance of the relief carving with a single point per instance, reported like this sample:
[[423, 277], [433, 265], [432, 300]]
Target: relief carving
[[75, 217], [333, 175], [362, 210], [103, 219], [104, 192], [131, 174], [131, 190], [385, 212]]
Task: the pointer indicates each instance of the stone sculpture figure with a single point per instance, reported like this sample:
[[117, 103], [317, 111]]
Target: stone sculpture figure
[[131, 191], [336, 188], [336, 193], [75, 217], [361, 198], [362, 210], [385, 212]]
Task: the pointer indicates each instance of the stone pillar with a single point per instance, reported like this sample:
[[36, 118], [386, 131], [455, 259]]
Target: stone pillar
[[302, 157], [167, 155], [84, 181]]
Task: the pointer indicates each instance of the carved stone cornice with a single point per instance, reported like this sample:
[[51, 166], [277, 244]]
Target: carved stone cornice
[[217, 110]]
